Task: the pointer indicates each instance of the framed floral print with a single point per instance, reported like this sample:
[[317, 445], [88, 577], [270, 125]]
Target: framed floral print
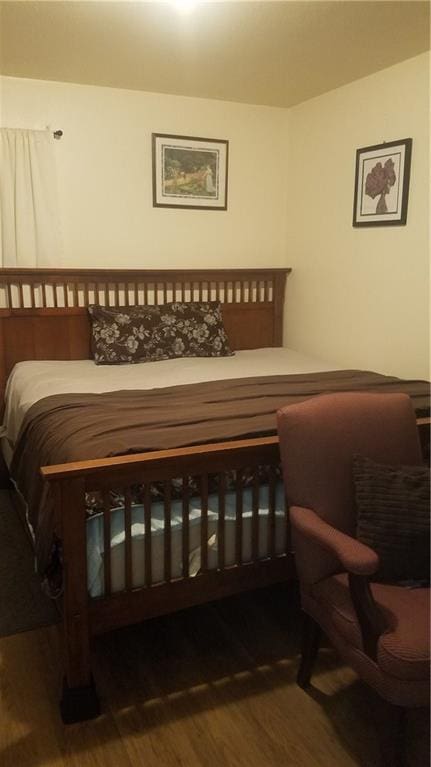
[[189, 172], [382, 184]]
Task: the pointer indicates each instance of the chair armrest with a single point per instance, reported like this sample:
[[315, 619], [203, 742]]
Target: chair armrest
[[359, 560], [355, 557]]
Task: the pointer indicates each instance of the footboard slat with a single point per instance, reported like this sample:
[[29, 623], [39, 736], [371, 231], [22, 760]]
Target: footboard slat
[[255, 519], [107, 542], [286, 542], [185, 534], [204, 522], [221, 521], [271, 521], [238, 519], [128, 538], [147, 527], [167, 531]]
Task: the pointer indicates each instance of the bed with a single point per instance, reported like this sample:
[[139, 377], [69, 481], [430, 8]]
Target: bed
[[32, 381], [217, 524]]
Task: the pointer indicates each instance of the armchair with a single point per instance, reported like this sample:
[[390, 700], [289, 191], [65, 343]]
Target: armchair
[[380, 629]]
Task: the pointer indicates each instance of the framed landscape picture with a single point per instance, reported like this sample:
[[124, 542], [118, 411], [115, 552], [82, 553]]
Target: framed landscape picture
[[189, 172], [382, 184]]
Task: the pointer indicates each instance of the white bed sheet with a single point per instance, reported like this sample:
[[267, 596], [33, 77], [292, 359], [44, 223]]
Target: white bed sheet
[[34, 380]]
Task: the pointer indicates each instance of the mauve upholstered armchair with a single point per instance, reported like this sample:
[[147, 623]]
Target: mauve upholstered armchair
[[381, 630]]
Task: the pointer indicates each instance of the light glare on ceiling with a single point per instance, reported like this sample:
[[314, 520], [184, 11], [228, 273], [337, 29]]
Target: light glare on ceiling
[[184, 6]]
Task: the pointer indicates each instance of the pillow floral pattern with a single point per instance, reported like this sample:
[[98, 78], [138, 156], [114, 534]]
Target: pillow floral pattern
[[152, 333]]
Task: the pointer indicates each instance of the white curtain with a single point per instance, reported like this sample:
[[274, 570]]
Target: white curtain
[[29, 217]]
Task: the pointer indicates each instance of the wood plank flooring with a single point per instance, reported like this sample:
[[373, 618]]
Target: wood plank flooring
[[209, 687]]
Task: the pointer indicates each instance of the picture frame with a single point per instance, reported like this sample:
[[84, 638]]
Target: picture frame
[[189, 172], [382, 179]]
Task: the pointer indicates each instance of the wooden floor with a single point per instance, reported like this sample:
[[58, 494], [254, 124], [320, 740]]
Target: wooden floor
[[208, 687]]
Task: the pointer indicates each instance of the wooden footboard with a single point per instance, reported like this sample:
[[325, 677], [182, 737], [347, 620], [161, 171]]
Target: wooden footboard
[[85, 616]]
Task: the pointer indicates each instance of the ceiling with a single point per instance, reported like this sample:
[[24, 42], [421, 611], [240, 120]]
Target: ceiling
[[274, 53]]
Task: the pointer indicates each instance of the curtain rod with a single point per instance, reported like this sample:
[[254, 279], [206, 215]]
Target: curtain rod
[[57, 134]]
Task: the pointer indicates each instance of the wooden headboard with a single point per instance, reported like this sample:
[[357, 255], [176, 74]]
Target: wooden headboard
[[43, 312]]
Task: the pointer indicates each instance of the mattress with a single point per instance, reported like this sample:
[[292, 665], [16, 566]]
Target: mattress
[[95, 551], [33, 380]]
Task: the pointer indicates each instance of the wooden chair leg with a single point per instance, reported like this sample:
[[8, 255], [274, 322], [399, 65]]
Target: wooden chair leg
[[392, 736], [311, 636], [5, 483]]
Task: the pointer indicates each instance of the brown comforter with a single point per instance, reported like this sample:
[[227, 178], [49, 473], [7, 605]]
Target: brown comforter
[[72, 427]]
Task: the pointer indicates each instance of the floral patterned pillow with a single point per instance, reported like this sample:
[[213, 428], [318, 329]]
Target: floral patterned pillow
[[151, 333]]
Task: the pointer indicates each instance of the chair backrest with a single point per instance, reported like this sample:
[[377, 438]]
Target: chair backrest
[[320, 436]]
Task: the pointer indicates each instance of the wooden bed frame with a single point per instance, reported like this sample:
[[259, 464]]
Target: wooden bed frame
[[44, 316]]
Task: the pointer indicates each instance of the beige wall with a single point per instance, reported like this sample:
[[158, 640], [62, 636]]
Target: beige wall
[[359, 297], [104, 175]]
